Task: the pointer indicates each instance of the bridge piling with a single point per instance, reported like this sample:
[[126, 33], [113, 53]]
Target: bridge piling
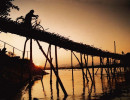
[[87, 69], [4, 44], [93, 70], [107, 64], [86, 64], [52, 66], [56, 61], [111, 67], [23, 58], [13, 52], [72, 71], [30, 59], [24, 48], [79, 64], [93, 73], [82, 73], [100, 65], [51, 73]]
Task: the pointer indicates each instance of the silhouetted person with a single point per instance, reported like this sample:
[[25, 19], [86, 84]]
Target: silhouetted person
[[28, 18]]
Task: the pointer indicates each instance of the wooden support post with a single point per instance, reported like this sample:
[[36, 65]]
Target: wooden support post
[[111, 64], [24, 48], [4, 44], [82, 74], [86, 63], [87, 70], [50, 66], [30, 92], [96, 71], [93, 68], [51, 74], [30, 67], [23, 58], [100, 66], [31, 50], [72, 72], [108, 66], [62, 87], [79, 64], [93, 74], [57, 86], [114, 69], [47, 55], [13, 52], [27, 54]]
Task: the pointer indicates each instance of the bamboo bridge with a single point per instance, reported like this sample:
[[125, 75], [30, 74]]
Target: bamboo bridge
[[8, 25]]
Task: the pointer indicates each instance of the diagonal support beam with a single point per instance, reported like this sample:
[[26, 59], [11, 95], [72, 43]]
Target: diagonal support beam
[[55, 72], [24, 48], [47, 56], [86, 63], [80, 65]]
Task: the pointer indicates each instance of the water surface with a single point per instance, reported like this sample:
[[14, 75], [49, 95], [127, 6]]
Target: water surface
[[114, 88]]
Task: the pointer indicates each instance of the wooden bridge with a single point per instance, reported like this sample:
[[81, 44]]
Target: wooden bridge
[[8, 25]]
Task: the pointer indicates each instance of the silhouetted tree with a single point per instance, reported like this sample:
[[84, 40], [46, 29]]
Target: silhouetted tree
[[5, 6]]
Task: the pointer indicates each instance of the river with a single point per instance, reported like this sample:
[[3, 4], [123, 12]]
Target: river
[[114, 88]]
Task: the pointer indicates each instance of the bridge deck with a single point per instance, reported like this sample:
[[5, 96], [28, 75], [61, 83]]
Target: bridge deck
[[7, 25]]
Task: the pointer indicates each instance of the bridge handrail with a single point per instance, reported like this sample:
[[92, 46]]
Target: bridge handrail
[[5, 43], [11, 46]]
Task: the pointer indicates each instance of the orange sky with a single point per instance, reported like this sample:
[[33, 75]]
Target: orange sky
[[95, 23]]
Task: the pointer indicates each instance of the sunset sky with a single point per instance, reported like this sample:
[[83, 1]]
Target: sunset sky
[[94, 22]]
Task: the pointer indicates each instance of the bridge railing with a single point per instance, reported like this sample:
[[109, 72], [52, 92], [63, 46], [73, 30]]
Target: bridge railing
[[13, 51]]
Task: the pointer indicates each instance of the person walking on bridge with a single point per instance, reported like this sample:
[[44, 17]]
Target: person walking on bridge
[[28, 19]]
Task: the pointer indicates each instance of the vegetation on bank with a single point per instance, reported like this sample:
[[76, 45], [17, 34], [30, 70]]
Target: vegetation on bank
[[15, 72]]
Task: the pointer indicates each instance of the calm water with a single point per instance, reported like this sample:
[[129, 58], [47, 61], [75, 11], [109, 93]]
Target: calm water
[[117, 88]]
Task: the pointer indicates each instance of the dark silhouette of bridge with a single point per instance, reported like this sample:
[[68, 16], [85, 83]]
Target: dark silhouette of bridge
[[13, 27], [8, 25]]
